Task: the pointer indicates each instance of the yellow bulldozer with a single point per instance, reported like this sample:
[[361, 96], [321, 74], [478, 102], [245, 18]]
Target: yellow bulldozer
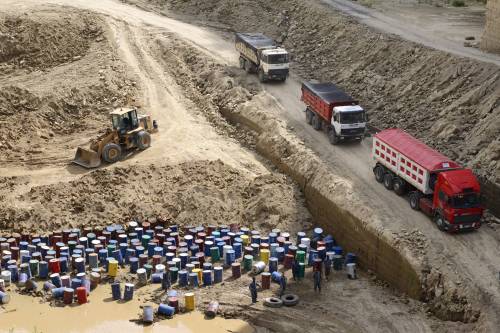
[[130, 130]]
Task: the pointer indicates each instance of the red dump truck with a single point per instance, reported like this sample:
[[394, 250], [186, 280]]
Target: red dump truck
[[437, 185], [334, 111]]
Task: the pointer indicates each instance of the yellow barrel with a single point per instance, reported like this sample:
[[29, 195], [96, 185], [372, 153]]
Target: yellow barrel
[[200, 274], [245, 239], [189, 301], [113, 268], [264, 255]]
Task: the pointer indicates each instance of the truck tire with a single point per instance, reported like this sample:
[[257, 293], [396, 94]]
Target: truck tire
[[399, 186], [273, 302], [415, 200], [316, 122], [379, 172], [439, 220], [111, 152], [333, 137], [388, 181], [262, 76], [248, 66], [290, 299], [242, 63], [143, 140], [309, 116]]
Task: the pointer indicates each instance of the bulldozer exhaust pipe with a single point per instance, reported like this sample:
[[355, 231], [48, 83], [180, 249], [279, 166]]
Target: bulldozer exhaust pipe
[[87, 158]]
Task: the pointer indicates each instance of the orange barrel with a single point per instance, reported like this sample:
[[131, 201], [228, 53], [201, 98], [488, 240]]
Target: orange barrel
[[236, 270], [266, 280], [81, 295], [288, 261]]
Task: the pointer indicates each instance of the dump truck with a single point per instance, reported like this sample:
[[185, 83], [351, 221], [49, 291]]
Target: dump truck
[[129, 130], [330, 109], [260, 54], [437, 186]]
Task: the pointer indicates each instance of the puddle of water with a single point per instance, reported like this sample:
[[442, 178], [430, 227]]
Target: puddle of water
[[25, 314]]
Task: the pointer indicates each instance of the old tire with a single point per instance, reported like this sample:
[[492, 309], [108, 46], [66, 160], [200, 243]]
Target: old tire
[[379, 172], [111, 152], [399, 186], [316, 122], [415, 200], [388, 181], [333, 137], [273, 302], [290, 299], [262, 77], [439, 220], [242, 63], [309, 116], [143, 140]]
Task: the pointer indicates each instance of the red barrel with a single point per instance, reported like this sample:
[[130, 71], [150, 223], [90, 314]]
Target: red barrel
[[200, 257], [81, 295], [146, 225], [288, 261], [14, 252], [227, 240], [12, 242], [236, 269], [210, 229], [281, 240], [201, 235], [317, 265], [66, 235], [173, 249], [266, 280], [17, 237], [200, 244], [68, 295], [161, 239], [174, 302], [54, 265], [143, 259], [248, 250], [156, 259], [292, 250]]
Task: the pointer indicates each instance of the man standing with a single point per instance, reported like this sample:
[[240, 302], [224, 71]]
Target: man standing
[[253, 290], [282, 285], [165, 282], [317, 281], [295, 269]]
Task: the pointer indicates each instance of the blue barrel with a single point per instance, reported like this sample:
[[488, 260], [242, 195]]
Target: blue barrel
[[79, 265], [256, 250], [276, 277], [194, 249], [264, 239], [57, 292], [237, 250], [75, 283], [25, 259], [273, 237], [48, 286], [215, 234], [184, 259], [280, 254], [24, 245], [134, 264], [350, 258], [156, 277], [193, 279], [224, 232], [158, 250], [230, 257], [337, 250], [25, 268], [129, 254], [103, 255], [255, 239], [220, 245], [56, 280], [170, 256], [183, 278], [166, 310], [23, 278], [173, 274], [123, 249], [317, 233], [151, 248], [207, 277], [337, 262], [128, 293], [218, 274], [43, 269], [116, 291], [147, 314], [207, 246], [139, 250], [313, 254], [273, 264]]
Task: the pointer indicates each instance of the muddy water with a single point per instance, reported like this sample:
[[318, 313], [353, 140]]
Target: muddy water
[[26, 314]]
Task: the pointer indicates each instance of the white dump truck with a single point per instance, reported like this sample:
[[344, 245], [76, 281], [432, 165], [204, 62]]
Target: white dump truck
[[260, 54]]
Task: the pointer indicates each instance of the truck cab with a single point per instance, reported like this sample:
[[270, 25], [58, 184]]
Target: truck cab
[[349, 121], [274, 63], [456, 201]]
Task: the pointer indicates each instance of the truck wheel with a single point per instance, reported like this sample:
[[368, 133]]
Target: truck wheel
[[262, 77], [111, 152], [332, 137], [143, 140], [248, 66], [440, 222], [242, 63], [316, 122], [415, 200], [399, 186], [388, 181], [309, 116], [379, 172]]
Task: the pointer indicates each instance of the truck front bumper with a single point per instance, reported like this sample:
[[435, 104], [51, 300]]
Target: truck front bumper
[[347, 133], [277, 74], [462, 226]]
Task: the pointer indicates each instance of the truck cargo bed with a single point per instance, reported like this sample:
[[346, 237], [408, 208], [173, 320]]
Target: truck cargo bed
[[255, 41]]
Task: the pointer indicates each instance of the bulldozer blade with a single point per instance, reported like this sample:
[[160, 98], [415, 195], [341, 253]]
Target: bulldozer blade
[[87, 158]]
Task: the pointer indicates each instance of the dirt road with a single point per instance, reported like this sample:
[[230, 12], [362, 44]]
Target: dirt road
[[472, 256]]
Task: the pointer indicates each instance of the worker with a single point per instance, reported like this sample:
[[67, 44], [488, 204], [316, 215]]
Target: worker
[[317, 281], [328, 267], [283, 282], [166, 281], [253, 290], [295, 270]]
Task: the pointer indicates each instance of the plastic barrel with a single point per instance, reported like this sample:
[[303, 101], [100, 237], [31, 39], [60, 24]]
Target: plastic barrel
[[207, 266], [68, 295], [301, 256], [75, 283], [166, 310], [147, 314], [318, 232], [193, 279], [173, 302], [258, 267], [134, 264], [273, 264], [23, 278], [302, 270], [156, 277], [237, 250], [81, 295], [236, 270], [218, 274], [183, 278], [57, 292], [142, 276], [207, 277], [214, 253], [266, 280], [184, 259], [116, 291], [230, 257], [66, 281], [173, 274], [128, 293], [276, 277], [56, 279], [48, 286], [189, 301], [247, 262], [337, 250], [351, 271], [280, 254]]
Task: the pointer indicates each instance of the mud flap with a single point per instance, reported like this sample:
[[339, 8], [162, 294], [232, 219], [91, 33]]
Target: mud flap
[[87, 158]]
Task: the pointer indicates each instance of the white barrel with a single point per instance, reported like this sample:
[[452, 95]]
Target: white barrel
[[188, 238], [6, 277], [351, 271], [160, 268], [226, 248], [142, 276], [307, 242], [258, 267]]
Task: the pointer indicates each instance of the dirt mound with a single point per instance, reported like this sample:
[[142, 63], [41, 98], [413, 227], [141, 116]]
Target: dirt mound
[[192, 193], [42, 41], [453, 104]]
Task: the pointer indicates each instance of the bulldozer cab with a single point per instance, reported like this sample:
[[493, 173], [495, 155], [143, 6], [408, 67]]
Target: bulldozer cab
[[124, 120]]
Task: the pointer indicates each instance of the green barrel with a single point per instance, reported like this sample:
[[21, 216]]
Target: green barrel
[[302, 270], [300, 256], [145, 240], [149, 269], [111, 249], [174, 271], [72, 246], [247, 262], [214, 254], [34, 267]]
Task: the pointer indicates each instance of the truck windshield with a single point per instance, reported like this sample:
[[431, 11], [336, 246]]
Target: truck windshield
[[470, 200], [352, 117], [277, 58]]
